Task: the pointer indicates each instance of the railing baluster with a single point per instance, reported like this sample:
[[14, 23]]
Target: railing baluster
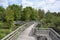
[[16, 33]]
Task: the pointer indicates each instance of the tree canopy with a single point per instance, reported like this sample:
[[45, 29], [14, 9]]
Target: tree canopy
[[18, 13]]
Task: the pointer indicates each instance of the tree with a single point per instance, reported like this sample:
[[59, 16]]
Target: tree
[[27, 12], [9, 15], [41, 13], [2, 13], [17, 11], [35, 15]]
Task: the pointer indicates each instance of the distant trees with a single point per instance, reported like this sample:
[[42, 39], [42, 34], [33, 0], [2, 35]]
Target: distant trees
[[51, 20], [41, 13], [17, 13], [27, 12], [9, 15], [2, 13], [30, 14], [35, 15]]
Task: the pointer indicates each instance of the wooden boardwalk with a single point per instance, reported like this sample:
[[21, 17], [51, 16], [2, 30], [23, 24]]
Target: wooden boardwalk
[[29, 32], [25, 34]]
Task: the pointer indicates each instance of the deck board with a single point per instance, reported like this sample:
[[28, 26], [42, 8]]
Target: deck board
[[25, 34]]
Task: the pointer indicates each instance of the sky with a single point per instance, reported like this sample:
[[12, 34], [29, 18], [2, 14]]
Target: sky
[[52, 5]]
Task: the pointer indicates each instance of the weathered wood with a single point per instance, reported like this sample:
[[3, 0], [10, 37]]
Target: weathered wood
[[48, 32], [54, 35], [26, 32], [14, 34]]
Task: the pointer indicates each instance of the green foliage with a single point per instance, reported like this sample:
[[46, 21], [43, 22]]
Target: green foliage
[[27, 13], [35, 15], [17, 13], [4, 25], [41, 13], [9, 15], [2, 13], [51, 20], [30, 14], [4, 32]]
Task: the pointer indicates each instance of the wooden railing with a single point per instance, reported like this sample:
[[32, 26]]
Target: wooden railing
[[17, 32], [46, 32], [54, 35], [35, 31]]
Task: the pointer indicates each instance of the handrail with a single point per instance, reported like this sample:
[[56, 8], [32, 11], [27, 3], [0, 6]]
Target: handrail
[[14, 34], [55, 35], [50, 30], [55, 32], [52, 33]]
